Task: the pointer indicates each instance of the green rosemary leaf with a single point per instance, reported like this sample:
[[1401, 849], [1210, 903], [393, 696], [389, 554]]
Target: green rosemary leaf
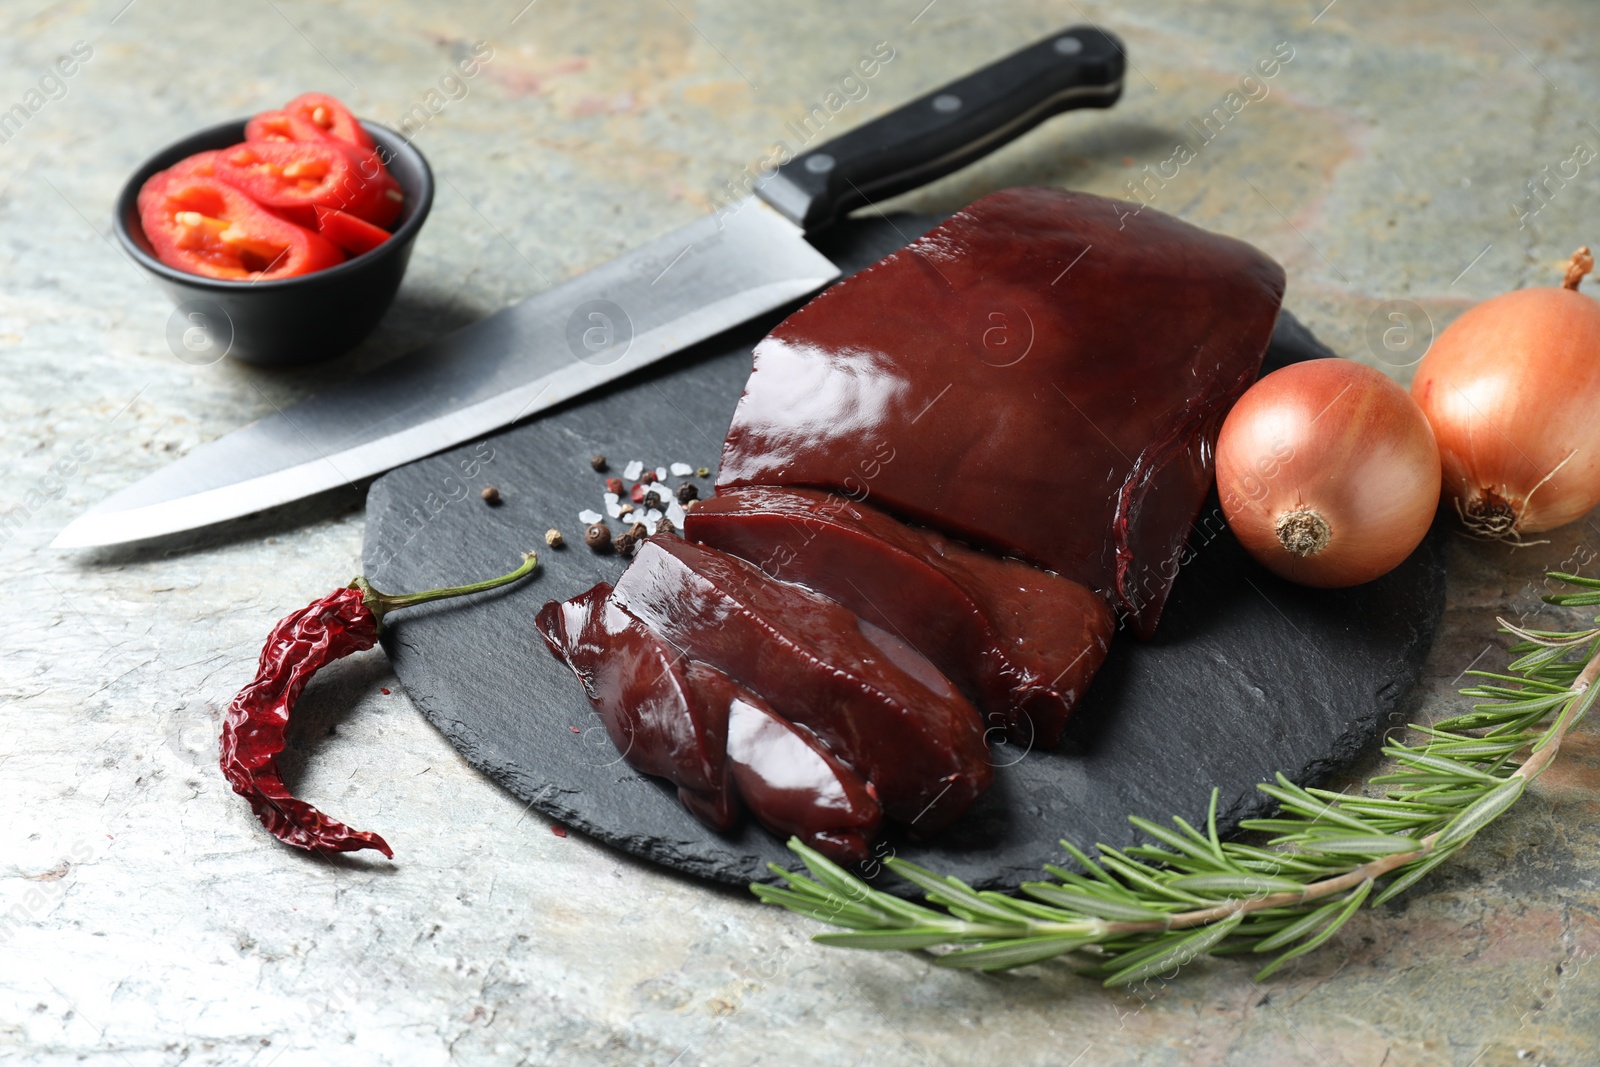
[[1200, 851], [1273, 826], [1314, 809], [1236, 884], [1046, 913], [1299, 928], [1520, 681], [942, 889], [1095, 870], [829, 873], [1265, 861], [1362, 844], [1114, 861], [1479, 815], [1467, 749], [821, 910], [1352, 903], [1438, 764], [1091, 905], [1412, 874], [1180, 952], [1016, 952], [909, 939], [1573, 579]]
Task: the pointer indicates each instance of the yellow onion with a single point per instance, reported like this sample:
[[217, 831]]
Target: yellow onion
[[1512, 390], [1328, 473]]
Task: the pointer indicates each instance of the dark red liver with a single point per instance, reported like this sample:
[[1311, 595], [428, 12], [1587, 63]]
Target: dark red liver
[[689, 723], [646, 695], [1022, 642], [1043, 374], [872, 700], [794, 785]]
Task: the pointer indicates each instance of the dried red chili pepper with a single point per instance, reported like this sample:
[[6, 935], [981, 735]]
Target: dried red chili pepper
[[256, 726]]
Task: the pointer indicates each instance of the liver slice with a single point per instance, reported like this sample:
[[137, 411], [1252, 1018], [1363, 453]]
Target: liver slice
[[661, 722], [1043, 374], [794, 785], [1022, 642], [689, 723], [896, 722]]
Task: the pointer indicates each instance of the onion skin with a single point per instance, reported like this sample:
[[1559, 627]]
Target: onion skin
[[1512, 390], [1330, 458]]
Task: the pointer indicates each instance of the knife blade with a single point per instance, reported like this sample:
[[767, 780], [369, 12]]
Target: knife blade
[[747, 259]]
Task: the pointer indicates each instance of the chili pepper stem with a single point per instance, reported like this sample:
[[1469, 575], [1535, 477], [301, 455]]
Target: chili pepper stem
[[380, 604]]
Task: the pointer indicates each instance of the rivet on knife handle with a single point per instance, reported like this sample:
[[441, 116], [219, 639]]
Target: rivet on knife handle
[[948, 128]]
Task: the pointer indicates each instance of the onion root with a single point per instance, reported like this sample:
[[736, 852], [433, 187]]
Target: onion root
[[1582, 263], [1302, 532]]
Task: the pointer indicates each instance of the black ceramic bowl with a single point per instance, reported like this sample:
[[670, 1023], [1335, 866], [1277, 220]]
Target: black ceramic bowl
[[290, 320]]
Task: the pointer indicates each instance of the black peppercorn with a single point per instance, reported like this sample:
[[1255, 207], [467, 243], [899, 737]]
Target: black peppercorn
[[688, 491], [598, 462]]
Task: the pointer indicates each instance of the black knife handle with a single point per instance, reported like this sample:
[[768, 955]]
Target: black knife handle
[[946, 129]]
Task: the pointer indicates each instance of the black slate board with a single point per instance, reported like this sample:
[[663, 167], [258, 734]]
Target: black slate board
[[1248, 674]]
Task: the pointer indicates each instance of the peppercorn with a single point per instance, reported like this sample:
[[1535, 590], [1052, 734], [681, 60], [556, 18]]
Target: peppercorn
[[703, 472], [622, 544], [597, 537], [491, 495], [614, 485], [636, 494], [665, 526], [626, 509], [554, 539], [598, 462], [691, 505], [647, 477], [688, 491]]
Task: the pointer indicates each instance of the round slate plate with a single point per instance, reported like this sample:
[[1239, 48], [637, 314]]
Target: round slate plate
[[1248, 675]]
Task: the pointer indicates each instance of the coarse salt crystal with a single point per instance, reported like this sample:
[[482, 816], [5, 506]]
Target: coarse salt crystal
[[652, 516], [661, 472], [675, 514], [633, 518], [588, 518], [632, 471], [613, 508], [682, 470]]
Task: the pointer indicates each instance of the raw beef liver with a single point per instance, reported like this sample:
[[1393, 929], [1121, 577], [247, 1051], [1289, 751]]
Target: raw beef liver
[[1043, 374], [876, 704], [1022, 642], [687, 722], [645, 693], [794, 785]]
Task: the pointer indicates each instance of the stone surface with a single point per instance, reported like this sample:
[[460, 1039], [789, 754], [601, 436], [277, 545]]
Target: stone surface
[[147, 920], [1235, 645]]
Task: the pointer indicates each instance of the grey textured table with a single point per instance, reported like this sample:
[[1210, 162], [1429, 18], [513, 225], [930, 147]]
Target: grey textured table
[[145, 918]]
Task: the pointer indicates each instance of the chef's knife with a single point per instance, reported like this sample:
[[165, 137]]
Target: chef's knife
[[747, 259]]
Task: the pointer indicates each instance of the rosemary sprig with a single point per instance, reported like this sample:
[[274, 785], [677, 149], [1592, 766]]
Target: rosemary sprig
[[1129, 914]]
